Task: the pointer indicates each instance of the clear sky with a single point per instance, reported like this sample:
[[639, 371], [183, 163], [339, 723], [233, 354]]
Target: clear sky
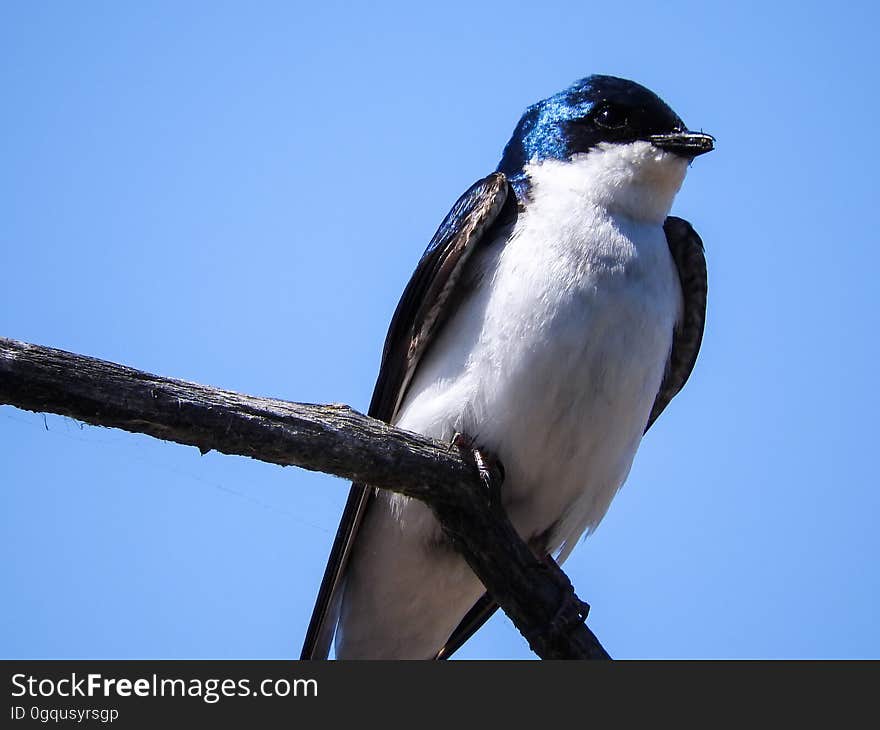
[[236, 194]]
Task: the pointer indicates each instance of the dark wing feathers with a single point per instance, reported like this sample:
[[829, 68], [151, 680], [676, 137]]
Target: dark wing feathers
[[422, 310], [479, 614], [687, 253]]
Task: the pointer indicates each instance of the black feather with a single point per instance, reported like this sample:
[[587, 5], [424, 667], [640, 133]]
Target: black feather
[[423, 309]]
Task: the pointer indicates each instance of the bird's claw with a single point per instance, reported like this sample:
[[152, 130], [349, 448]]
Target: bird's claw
[[489, 468]]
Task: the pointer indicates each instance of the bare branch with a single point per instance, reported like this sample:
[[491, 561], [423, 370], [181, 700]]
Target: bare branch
[[335, 439]]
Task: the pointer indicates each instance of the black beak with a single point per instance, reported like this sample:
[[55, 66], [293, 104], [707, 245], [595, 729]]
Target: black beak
[[685, 144]]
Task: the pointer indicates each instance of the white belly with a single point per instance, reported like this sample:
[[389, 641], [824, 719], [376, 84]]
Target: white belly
[[554, 367]]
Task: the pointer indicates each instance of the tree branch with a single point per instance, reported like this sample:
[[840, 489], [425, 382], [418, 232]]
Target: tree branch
[[335, 439]]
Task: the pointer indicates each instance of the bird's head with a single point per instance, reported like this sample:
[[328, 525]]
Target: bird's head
[[625, 132]]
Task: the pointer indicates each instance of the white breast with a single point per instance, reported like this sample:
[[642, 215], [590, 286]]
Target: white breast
[[553, 364]]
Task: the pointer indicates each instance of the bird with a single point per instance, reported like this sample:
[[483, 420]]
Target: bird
[[554, 315]]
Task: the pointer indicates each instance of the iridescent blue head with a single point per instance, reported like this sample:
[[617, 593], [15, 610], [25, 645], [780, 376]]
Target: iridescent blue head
[[591, 111]]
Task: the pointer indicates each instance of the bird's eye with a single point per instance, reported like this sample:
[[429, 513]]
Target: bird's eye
[[611, 117]]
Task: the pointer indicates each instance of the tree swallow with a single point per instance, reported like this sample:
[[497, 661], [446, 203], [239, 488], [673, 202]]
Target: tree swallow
[[554, 315]]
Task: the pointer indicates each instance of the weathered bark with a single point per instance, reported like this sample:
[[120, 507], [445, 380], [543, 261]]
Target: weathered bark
[[335, 439]]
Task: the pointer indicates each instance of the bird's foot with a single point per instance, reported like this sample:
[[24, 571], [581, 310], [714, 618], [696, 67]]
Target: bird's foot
[[489, 468]]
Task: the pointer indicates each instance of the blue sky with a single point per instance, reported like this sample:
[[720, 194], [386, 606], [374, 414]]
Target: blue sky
[[237, 193]]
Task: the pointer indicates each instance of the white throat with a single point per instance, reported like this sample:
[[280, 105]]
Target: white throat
[[637, 180]]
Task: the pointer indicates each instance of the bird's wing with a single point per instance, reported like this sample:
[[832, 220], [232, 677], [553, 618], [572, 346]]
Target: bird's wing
[[473, 620], [687, 253], [423, 308]]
